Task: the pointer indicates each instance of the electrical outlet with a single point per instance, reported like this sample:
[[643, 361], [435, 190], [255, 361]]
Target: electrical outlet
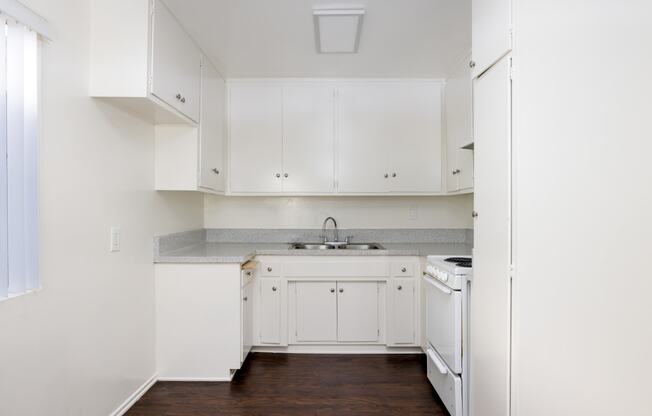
[[413, 213], [115, 239]]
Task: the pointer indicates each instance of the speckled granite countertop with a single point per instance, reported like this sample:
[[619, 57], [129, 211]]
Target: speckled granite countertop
[[206, 246]]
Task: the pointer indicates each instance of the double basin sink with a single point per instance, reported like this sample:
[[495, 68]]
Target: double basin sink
[[337, 246]]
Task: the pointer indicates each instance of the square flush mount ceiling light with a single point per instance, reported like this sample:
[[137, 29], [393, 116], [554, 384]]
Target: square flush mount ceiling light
[[337, 30]]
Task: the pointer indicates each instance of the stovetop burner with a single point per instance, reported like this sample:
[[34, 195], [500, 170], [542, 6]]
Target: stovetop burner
[[460, 261]]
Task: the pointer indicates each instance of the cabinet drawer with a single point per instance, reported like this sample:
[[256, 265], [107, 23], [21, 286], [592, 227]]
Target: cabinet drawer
[[403, 269], [270, 269]]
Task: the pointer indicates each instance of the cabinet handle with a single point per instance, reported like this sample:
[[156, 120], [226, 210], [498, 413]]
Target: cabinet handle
[[278, 175], [273, 288], [474, 214], [183, 100], [472, 64], [245, 298], [216, 171], [456, 171], [332, 290], [400, 287], [269, 269], [341, 290], [404, 269], [286, 175], [386, 175], [248, 273], [393, 175], [178, 97]]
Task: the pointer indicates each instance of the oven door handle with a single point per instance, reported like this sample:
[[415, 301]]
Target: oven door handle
[[440, 366], [437, 285]]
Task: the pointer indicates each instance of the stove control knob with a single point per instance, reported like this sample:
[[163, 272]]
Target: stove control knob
[[443, 276]]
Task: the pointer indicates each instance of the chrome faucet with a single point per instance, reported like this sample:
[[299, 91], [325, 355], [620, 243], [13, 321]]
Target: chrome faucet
[[336, 233]]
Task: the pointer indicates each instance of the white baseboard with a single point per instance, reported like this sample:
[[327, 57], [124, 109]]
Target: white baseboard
[[338, 349], [195, 379], [122, 409]]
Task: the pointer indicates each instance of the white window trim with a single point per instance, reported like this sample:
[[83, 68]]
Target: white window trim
[[26, 16]]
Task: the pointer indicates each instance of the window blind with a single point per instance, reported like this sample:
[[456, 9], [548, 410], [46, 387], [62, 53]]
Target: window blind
[[19, 104]]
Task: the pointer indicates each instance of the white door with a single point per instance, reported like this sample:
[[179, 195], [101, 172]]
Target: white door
[[316, 314], [491, 304], [364, 132], [444, 322], [176, 64], [412, 123], [491, 32], [459, 129], [255, 137], [270, 311], [400, 319], [308, 137], [357, 312], [212, 129], [247, 320]]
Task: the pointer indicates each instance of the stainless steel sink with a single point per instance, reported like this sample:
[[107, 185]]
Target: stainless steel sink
[[318, 246]]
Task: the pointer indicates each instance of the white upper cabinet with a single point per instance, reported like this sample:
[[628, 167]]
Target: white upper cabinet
[[289, 137], [255, 137], [459, 129], [491, 32], [143, 59], [176, 63], [390, 137], [212, 130], [308, 138]]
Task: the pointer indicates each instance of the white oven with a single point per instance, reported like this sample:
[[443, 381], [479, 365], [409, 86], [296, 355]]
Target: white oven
[[446, 284]]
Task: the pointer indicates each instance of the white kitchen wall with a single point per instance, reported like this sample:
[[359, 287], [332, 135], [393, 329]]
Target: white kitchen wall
[[350, 212], [85, 342]]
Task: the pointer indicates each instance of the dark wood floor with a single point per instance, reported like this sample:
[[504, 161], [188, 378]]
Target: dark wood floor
[[280, 384]]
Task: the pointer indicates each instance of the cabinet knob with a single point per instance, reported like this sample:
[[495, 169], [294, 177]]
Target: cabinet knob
[[456, 171], [273, 288], [393, 175], [269, 269], [400, 287], [341, 290], [472, 64], [248, 273], [245, 298], [386, 175], [332, 290], [404, 269], [178, 97], [183, 100], [286, 175], [278, 175], [216, 171], [474, 214]]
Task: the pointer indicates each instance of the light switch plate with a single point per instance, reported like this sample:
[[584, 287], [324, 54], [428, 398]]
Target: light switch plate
[[115, 239]]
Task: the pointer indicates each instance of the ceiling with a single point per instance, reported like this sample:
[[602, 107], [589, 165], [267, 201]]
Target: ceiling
[[275, 38]]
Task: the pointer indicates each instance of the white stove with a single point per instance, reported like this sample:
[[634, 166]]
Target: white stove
[[453, 271], [447, 286]]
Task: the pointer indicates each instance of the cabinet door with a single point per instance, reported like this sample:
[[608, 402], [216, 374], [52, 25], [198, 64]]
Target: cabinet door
[[365, 127], [490, 303], [316, 311], [401, 313], [357, 312], [459, 129], [491, 32], [255, 137], [247, 320], [308, 137], [211, 130], [270, 311], [176, 64], [413, 123]]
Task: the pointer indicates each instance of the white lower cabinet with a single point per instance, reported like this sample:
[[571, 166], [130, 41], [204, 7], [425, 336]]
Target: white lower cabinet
[[316, 311], [357, 312], [270, 311], [337, 301]]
